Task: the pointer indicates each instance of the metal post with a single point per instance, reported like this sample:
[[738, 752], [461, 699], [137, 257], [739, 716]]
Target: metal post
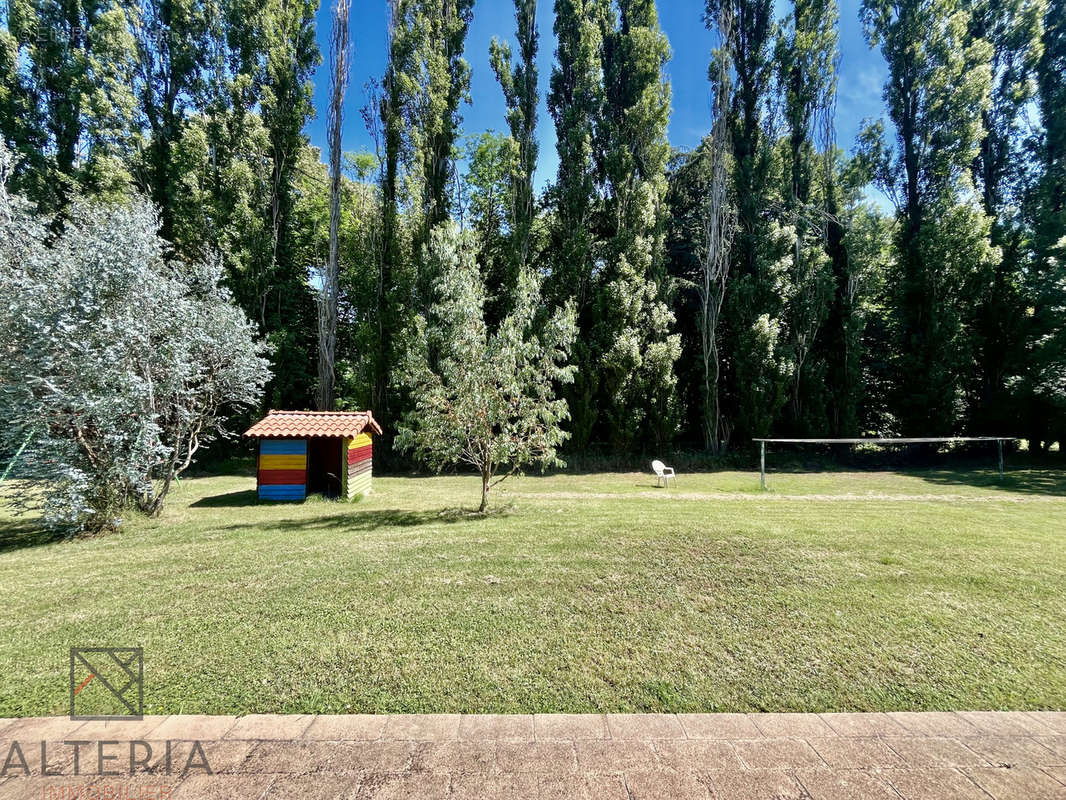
[[14, 458], [762, 464], [999, 446]]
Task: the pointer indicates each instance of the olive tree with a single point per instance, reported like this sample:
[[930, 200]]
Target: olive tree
[[119, 363], [481, 396]]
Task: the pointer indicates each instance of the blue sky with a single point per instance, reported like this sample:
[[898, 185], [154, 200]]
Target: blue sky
[[862, 73]]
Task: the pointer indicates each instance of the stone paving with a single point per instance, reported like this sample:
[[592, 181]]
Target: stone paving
[[949, 755]]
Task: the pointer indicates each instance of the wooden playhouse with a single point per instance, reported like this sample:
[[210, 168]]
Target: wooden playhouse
[[314, 452]]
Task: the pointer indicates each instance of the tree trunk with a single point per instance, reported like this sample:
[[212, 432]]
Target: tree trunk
[[486, 476], [719, 225], [327, 315]]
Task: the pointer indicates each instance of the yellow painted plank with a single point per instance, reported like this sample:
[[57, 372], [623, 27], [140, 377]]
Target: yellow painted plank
[[282, 462], [362, 440]]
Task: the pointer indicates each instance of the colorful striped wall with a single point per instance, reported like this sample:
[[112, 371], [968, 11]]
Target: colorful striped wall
[[359, 457], [282, 469]]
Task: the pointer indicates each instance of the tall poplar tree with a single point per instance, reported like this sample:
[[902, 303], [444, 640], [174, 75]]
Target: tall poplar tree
[[418, 123], [172, 41], [1013, 30], [574, 101], [395, 148], [611, 106], [286, 304], [840, 339], [1045, 382], [634, 331], [807, 59], [20, 122], [488, 208], [936, 93], [755, 375], [519, 84], [435, 120], [67, 105]]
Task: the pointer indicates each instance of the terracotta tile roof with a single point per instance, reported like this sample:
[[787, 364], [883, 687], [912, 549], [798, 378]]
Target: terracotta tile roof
[[299, 424]]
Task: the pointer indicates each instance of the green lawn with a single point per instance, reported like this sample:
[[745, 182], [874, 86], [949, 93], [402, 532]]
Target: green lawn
[[832, 591]]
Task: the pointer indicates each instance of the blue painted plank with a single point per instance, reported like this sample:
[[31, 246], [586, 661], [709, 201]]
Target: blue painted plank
[[283, 488], [283, 491], [283, 447]]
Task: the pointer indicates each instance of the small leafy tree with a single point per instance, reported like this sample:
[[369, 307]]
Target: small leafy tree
[[119, 364], [484, 397]]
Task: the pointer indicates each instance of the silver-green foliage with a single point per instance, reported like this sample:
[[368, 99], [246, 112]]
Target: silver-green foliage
[[119, 363], [480, 396]]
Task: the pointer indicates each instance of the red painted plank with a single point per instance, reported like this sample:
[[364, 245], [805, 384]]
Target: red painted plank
[[360, 454], [269, 477]]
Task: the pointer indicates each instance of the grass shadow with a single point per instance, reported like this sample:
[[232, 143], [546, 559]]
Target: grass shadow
[[372, 520], [1025, 474], [22, 533], [243, 498], [1025, 481]]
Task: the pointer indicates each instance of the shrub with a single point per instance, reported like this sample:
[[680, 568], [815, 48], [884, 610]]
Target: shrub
[[119, 363]]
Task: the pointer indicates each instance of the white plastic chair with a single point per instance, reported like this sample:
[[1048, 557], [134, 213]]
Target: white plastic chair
[[663, 473]]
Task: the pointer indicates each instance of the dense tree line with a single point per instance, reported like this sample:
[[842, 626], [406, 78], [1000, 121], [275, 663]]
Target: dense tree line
[[199, 107], [746, 287]]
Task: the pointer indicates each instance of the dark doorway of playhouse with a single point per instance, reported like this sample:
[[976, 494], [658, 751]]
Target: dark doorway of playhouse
[[324, 465]]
